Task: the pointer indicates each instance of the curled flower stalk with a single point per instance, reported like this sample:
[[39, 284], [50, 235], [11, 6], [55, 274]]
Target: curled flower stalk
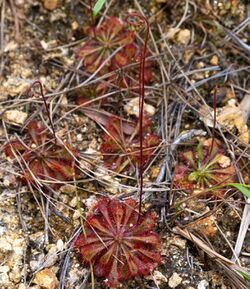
[[38, 83]]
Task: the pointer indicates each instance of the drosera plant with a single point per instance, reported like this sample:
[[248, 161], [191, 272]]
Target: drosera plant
[[103, 42], [42, 158], [119, 242], [121, 150], [125, 79], [204, 167], [91, 92], [113, 47], [127, 61], [42, 161]]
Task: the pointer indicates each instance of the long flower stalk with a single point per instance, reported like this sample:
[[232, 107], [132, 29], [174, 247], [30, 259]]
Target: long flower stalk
[[138, 20]]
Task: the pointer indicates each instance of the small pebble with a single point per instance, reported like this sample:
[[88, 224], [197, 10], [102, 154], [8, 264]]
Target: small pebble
[[214, 60], [50, 4], [79, 137], [15, 116], [73, 202], [184, 36], [4, 269], [159, 277], [76, 215], [5, 246], [46, 279], [60, 245], [132, 108], [203, 284], [174, 280], [52, 256]]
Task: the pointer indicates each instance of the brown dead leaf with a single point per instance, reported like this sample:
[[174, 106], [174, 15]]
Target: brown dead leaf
[[230, 117], [205, 226], [102, 117]]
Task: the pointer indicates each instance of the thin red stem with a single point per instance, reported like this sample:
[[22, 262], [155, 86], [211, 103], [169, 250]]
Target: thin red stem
[[92, 16], [141, 92], [214, 119], [38, 82]]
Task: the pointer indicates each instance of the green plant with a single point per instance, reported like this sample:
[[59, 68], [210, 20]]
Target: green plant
[[98, 6], [204, 167], [242, 188]]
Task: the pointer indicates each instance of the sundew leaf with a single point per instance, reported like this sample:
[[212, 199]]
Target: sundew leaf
[[98, 6], [242, 188]]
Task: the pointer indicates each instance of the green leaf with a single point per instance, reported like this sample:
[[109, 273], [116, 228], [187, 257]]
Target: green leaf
[[199, 153], [244, 275], [192, 177], [98, 6], [177, 206], [242, 188]]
